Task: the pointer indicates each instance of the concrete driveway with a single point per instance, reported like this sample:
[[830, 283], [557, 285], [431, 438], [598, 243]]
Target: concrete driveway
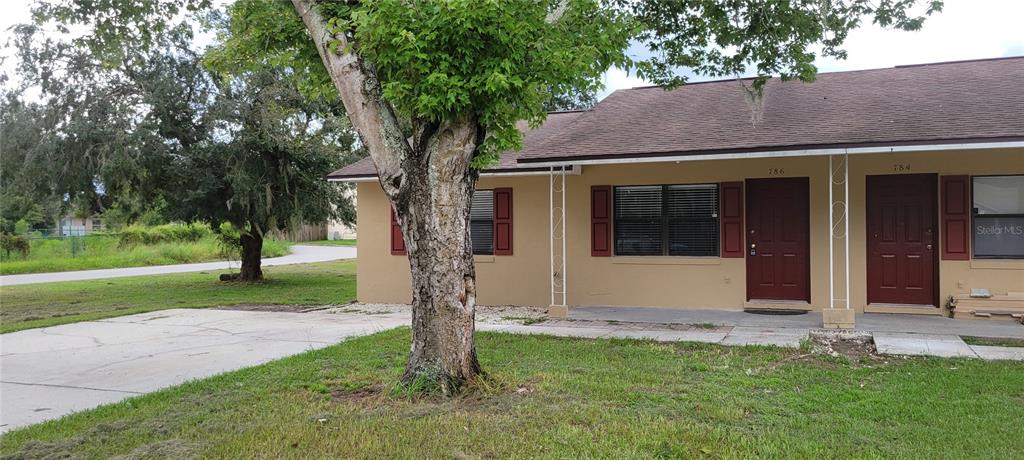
[[300, 254], [46, 373]]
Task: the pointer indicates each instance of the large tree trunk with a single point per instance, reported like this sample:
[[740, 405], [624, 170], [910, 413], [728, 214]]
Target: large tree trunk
[[252, 255], [430, 183], [434, 212]]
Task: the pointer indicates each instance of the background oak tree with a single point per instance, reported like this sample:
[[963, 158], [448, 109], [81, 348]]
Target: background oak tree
[[133, 120]]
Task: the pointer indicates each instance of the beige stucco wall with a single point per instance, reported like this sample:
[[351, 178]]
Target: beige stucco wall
[[679, 282], [519, 279]]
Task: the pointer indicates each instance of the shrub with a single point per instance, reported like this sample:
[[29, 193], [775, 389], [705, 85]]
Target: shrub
[[136, 234], [131, 236], [230, 241], [15, 243], [186, 233], [21, 227]]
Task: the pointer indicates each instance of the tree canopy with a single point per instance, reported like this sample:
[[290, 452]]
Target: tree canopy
[[765, 37]]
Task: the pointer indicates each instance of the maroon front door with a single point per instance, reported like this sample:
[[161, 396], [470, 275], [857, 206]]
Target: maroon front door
[[901, 239], [778, 244]]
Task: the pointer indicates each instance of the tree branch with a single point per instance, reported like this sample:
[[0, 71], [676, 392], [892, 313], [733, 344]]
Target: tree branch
[[360, 90]]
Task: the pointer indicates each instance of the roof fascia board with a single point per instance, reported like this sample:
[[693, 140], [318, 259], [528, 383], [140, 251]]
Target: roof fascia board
[[785, 153], [574, 170]]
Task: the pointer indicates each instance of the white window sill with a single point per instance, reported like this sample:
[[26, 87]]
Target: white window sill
[[483, 259]]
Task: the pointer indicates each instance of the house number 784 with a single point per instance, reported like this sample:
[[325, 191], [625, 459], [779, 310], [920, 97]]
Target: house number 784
[[901, 167]]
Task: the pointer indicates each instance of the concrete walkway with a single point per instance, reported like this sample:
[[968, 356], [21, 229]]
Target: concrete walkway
[[46, 373], [300, 254]]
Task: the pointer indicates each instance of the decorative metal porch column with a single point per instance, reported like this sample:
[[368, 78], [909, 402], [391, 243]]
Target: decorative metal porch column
[[557, 190], [839, 314]]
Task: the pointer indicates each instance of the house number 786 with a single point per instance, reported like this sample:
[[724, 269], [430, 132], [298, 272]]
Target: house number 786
[[776, 172]]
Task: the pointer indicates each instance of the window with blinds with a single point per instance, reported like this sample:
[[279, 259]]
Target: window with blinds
[[481, 222], [674, 220]]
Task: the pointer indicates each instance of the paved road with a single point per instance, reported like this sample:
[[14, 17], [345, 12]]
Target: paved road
[[300, 254], [46, 373]]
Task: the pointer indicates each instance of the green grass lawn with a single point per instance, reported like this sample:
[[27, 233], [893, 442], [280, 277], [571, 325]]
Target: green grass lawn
[[564, 398], [330, 243], [102, 251], [40, 305], [993, 341]]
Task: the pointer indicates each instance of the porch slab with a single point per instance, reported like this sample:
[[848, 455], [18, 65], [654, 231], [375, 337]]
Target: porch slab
[[998, 353], [869, 322], [694, 316], [780, 337], [899, 343]]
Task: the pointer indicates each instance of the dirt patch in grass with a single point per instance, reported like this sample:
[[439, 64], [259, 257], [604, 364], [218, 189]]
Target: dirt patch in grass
[[848, 344], [168, 448], [993, 341], [358, 395], [60, 447]]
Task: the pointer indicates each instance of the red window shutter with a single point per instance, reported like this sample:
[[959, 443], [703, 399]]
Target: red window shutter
[[730, 218], [601, 221], [397, 241], [956, 217], [503, 221]]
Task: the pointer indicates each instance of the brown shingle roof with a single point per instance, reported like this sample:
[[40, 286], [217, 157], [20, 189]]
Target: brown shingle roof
[[931, 103], [966, 101], [533, 140]]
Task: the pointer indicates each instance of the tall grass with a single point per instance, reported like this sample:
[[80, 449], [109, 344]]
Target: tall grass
[[136, 247]]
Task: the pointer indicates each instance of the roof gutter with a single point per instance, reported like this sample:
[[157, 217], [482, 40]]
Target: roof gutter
[[782, 153]]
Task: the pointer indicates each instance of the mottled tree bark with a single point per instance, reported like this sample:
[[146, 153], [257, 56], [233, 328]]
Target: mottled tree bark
[[252, 248], [429, 181], [434, 213]]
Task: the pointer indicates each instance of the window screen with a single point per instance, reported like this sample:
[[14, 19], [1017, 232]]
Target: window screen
[[677, 220], [998, 217], [692, 220], [481, 222]]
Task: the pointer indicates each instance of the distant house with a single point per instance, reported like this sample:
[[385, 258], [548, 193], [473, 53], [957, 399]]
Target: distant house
[[79, 226], [886, 190], [338, 230]]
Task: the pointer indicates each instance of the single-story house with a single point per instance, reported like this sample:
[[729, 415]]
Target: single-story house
[[71, 225], [886, 190]]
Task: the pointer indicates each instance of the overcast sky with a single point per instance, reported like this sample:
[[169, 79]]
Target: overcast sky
[[966, 29]]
